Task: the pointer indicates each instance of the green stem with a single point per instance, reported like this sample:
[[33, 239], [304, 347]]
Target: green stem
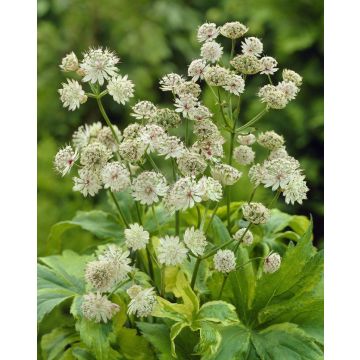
[[196, 270], [198, 216], [162, 288], [228, 193], [274, 199], [119, 209], [204, 216], [270, 81], [151, 268], [138, 212], [222, 286], [253, 120], [212, 217], [213, 251], [107, 120], [187, 132], [232, 48], [222, 110], [252, 194], [155, 217], [177, 222], [152, 162], [119, 286]]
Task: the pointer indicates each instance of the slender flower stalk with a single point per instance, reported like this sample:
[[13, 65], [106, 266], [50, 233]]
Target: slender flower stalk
[[122, 216]]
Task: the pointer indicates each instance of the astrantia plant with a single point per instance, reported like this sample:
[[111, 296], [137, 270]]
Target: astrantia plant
[[185, 271]]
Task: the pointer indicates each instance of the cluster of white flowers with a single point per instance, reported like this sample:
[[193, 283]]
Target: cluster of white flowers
[[123, 161]]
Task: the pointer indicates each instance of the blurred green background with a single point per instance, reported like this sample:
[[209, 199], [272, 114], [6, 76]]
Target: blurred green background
[[157, 37]]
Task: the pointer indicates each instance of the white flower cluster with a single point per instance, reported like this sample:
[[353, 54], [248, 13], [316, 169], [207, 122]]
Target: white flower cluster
[[142, 301]]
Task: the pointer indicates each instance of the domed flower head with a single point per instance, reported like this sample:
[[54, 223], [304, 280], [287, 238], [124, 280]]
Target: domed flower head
[[206, 129], [256, 174], [94, 156], [81, 137], [207, 31], [119, 260], [270, 140], [295, 190], [235, 84], [245, 236], [191, 164], [290, 75], [170, 82], [72, 94], [195, 240], [106, 137], [289, 89], [188, 87], [148, 187], [100, 275], [252, 46], [121, 89], [210, 148], [244, 154], [269, 65], [216, 75], [272, 263], [99, 65], [132, 131], [225, 174], [278, 172], [65, 159], [143, 110], [142, 304], [183, 195], [166, 118], [88, 182], [196, 69], [273, 97], [152, 136], [185, 104], [278, 153], [246, 64], [200, 113], [255, 213], [115, 176], [246, 139], [69, 63], [233, 30], [224, 261], [171, 147], [171, 251], [210, 188], [211, 51], [136, 237], [132, 150], [97, 308]]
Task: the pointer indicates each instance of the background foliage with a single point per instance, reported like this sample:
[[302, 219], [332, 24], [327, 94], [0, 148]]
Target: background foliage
[[156, 37]]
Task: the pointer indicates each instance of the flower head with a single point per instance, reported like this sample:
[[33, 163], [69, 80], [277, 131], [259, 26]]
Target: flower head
[[115, 176], [289, 89], [256, 174], [272, 263], [170, 81], [290, 75], [210, 188], [185, 104], [69, 63], [270, 140], [235, 84], [248, 139], [132, 131], [106, 137], [252, 46], [165, 118], [142, 303], [255, 213], [171, 147], [274, 97], [225, 174], [143, 110], [278, 153], [244, 154], [152, 136], [233, 30], [196, 69], [65, 159], [136, 237], [171, 251], [295, 190], [247, 64], [269, 65], [211, 51], [121, 89], [224, 261], [94, 156], [72, 94], [188, 87], [88, 182], [216, 75], [210, 148], [100, 275], [132, 150], [199, 113], [96, 307], [191, 163], [245, 236], [99, 65], [195, 240], [148, 187], [207, 32]]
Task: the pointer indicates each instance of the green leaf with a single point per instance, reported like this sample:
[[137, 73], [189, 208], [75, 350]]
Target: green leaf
[[96, 336], [60, 278], [54, 344], [217, 312], [174, 332], [81, 353], [101, 224], [285, 341], [210, 339], [158, 336], [218, 232], [271, 286]]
